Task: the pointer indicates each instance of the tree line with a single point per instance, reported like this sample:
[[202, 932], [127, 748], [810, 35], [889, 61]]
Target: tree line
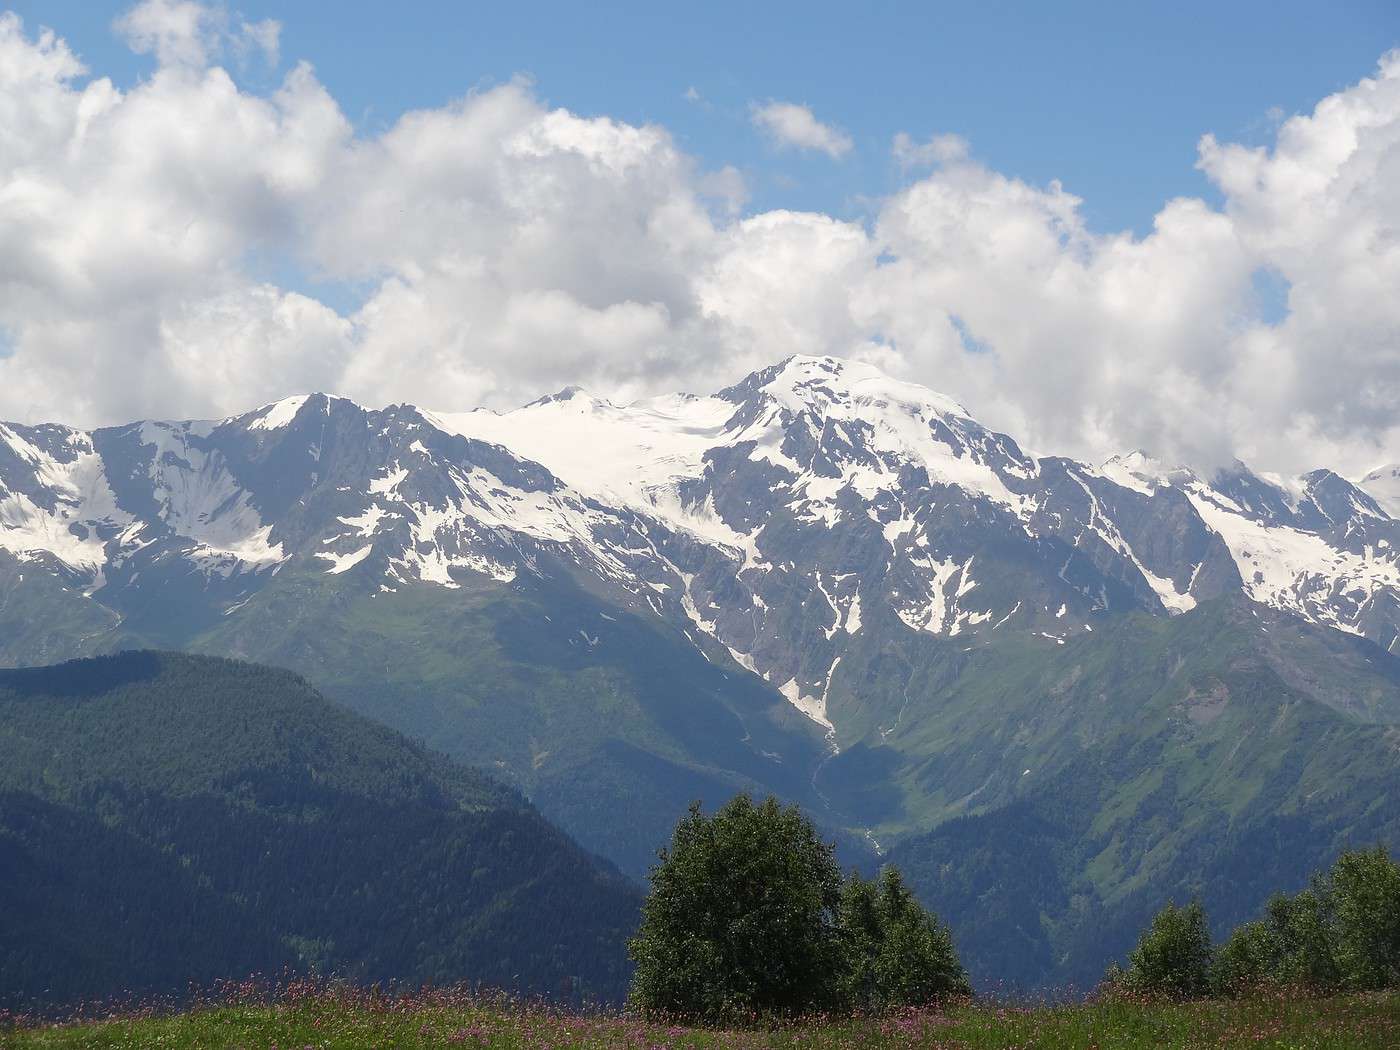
[[1341, 934], [750, 919]]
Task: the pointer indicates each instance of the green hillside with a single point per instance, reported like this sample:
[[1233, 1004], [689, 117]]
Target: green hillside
[[1069, 789], [167, 819], [1042, 794], [610, 721]]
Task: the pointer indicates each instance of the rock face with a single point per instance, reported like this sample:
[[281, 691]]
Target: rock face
[[773, 521]]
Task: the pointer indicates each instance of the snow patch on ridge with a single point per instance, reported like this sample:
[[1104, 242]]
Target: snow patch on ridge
[[279, 414], [83, 504], [1383, 485], [344, 562], [1287, 568], [812, 706], [199, 498]]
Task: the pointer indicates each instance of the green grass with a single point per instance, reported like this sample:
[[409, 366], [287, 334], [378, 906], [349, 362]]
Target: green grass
[[446, 1019]]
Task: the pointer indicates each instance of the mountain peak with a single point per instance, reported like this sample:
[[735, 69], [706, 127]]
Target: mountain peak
[[1383, 485], [803, 383], [1138, 470], [283, 413], [571, 395]]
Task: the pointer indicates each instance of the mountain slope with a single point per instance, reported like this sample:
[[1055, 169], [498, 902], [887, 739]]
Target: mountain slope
[[168, 818], [611, 721], [766, 521], [1383, 485], [820, 582], [1182, 757]]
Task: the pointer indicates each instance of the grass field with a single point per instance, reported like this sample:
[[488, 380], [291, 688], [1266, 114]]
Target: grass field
[[355, 1021]]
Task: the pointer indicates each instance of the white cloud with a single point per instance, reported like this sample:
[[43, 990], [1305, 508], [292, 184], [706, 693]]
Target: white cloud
[[940, 149], [177, 32], [191, 34], [264, 36], [792, 126], [502, 249]]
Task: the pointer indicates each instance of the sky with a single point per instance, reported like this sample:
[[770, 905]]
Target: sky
[[1099, 226]]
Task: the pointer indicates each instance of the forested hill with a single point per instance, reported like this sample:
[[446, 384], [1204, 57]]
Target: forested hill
[[168, 819]]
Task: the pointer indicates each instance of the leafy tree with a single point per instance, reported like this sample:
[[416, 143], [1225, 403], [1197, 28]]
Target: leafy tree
[[1365, 889], [1343, 932], [1173, 957], [1291, 944], [1247, 959], [748, 918], [895, 952], [741, 920], [1303, 936]]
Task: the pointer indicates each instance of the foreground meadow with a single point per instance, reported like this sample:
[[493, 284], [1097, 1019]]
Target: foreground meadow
[[340, 1021]]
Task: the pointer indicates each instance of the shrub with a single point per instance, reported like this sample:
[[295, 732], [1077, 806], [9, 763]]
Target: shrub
[[1342, 933], [748, 919], [1173, 957], [1248, 959], [1365, 888], [896, 953], [1303, 936], [741, 919], [1291, 944]]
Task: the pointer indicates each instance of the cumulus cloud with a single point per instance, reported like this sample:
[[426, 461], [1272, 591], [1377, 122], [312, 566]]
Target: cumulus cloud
[[186, 33], [791, 126], [497, 248]]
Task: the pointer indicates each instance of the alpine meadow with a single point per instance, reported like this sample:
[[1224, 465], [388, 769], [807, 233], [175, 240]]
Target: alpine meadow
[[934, 609]]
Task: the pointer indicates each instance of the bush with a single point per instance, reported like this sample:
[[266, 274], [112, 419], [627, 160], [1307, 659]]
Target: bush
[[1173, 958], [1365, 891], [1303, 935], [741, 917], [1291, 944], [748, 919], [1343, 932], [1247, 959], [896, 953]]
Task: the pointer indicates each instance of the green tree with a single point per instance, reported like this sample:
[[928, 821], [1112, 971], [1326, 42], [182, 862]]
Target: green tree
[[741, 919], [1365, 888], [1173, 958], [1293, 943], [1247, 959], [1304, 938], [895, 952], [748, 919]]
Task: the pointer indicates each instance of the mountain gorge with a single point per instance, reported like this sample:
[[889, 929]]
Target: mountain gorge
[[820, 582]]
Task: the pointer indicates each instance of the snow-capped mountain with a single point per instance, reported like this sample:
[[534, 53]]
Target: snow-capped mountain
[[819, 583], [1383, 485], [774, 521]]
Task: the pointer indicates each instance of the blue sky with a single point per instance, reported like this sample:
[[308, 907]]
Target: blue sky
[[1110, 98]]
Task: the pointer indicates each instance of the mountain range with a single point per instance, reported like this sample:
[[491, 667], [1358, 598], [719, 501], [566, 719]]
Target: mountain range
[[820, 582]]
